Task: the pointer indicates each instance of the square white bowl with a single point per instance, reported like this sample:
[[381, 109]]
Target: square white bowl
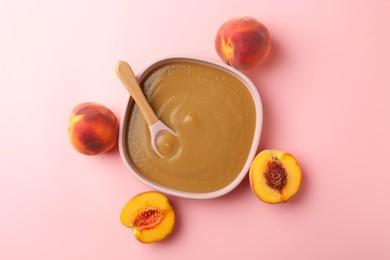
[[126, 113]]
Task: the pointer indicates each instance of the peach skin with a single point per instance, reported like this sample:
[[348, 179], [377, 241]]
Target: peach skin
[[243, 43], [93, 128]]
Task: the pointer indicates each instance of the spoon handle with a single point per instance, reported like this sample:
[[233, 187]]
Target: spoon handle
[[126, 75]]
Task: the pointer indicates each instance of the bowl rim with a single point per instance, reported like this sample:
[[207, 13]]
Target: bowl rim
[[256, 137]]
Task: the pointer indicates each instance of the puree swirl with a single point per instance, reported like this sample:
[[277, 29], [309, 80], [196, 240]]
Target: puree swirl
[[213, 116]]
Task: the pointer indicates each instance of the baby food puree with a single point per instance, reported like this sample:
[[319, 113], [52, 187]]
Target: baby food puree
[[213, 116]]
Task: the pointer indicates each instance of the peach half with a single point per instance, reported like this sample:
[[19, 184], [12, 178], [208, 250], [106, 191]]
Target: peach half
[[275, 176], [93, 128], [150, 215], [243, 43]]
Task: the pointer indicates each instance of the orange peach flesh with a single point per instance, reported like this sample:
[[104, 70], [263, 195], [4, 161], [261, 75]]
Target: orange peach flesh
[[150, 215], [284, 186]]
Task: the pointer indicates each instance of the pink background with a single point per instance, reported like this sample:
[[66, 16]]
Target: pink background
[[325, 91]]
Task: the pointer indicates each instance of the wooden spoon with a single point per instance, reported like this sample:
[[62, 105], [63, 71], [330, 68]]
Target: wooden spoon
[[156, 126]]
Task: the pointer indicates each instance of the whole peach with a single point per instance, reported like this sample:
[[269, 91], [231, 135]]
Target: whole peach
[[93, 128], [243, 42]]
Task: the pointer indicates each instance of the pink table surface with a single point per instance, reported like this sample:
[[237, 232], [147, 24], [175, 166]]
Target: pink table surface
[[325, 91]]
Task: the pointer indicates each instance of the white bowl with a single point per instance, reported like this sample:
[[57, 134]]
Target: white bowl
[[256, 137]]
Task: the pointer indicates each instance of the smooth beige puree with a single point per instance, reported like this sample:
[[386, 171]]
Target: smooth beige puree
[[213, 116]]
